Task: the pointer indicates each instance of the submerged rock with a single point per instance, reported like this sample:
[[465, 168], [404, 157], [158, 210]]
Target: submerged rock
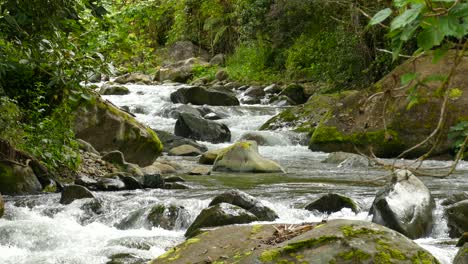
[[457, 218], [193, 127], [107, 129], [71, 193], [405, 205], [220, 215], [332, 202], [201, 96], [247, 202], [337, 241], [244, 157], [169, 217]]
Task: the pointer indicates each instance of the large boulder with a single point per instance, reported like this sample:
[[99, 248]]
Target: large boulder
[[295, 92], [457, 218], [462, 255], [107, 128], [170, 217], [220, 215], [171, 141], [405, 205], [332, 202], [201, 96], [2, 206], [71, 193], [336, 241], [190, 126], [113, 90], [352, 120], [243, 156], [182, 50], [246, 202]]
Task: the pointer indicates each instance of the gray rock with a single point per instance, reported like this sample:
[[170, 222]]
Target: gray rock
[[201, 96], [17, 180], [174, 179], [247, 202], [184, 150], [338, 157], [455, 198], [176, 186], [183, 50], [71, 193], [405, 205], [220, 215], [131, 183], [113, 90], [134, 78], [282, 101], [249, 100], [218, 60], [173, 111], [462, 255], [200, 170], [171, 141], [85, 146], [114, 157], [272, 89], [209, 157], [295, 92], [86, 181], [111, 183], [126, 258], [457, 218], [190, 126], [221, 75], [169, 217], [255, 91], [153, 181], [332, 202], [2, 206]]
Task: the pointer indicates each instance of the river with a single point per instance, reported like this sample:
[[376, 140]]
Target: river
[[38, 229]]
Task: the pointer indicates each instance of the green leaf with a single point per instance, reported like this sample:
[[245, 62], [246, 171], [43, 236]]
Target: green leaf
[[407, 17], [407, 78], [430, 37], [380, 16]]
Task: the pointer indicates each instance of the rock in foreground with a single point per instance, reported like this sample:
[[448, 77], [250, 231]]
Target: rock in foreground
[[244, 157], [338, 241], [405, 206]]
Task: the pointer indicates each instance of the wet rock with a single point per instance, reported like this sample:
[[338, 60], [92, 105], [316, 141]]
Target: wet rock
[[173, 111], [405, 205], [221, 75], [176, 186], [455, 198], [201, 96], [272, 89], [153, 181], [159, 167], [169, 217], [244, 157], [126, 258], [255, 92], [212, 116], [295, 92], [141, 243], [457, 215], [338, 157], [134, 78], [281, 101], [218, 59], [174, 179], [113, 90], [356, 161], [249, 100], [171, 141], [71, 193], [17, 179], [209, 157], [332, 202], [336, 241], [107, 128], [463, 239], [247, 202], [2, 206], [462, 255], [184, 150], [111, 183], [220, 215], [200, 170], [190, 126], [131, 183]]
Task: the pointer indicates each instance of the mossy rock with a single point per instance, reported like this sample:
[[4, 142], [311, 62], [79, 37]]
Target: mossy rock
[[243, 156], [209, 157], [296, 92], [354, 120], [462, 255], [338, 241], [107, 128], [16, 179]]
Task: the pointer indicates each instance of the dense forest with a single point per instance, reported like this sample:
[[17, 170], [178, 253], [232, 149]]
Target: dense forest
[[383, 82]]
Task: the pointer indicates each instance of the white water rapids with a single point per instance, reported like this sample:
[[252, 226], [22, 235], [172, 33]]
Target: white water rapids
[[39, 230]]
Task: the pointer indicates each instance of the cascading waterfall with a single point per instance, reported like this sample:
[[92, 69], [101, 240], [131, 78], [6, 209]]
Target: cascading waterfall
[[38, 229]]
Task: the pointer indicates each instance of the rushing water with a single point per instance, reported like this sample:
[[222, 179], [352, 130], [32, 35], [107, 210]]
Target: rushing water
[[38, 229]]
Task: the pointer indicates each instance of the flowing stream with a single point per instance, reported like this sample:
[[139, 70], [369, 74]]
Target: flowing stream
[[38, 229]]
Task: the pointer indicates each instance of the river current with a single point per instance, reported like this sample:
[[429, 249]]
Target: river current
[[38, 229]]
